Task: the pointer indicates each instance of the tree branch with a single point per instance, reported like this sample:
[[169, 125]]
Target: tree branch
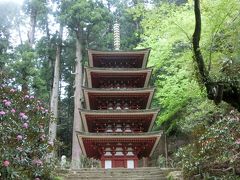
[[196, 47], [216, 91], [185, 32]]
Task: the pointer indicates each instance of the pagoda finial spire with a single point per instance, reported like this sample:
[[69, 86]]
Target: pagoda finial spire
[[116, 33]]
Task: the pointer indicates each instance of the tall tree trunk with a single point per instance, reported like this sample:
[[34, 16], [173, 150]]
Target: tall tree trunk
[[216, 91], [31, 35], [33, 22], [55, 90], [25, 81], [49, 57], [19, 33], [77, 122]]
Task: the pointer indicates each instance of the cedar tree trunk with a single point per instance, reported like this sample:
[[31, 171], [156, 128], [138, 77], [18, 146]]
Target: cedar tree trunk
[[77, 122], [55, 90]]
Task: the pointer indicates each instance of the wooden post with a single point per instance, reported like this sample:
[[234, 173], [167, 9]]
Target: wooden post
[[166, 150], [145, 161]]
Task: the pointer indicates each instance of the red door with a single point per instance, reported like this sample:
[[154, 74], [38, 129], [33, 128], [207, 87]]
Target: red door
[[118, 163]]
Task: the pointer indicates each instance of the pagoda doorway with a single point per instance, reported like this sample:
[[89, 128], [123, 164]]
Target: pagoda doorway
[[119, 162]]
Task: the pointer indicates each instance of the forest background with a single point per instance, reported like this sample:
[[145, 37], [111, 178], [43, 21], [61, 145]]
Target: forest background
[[40, 43]]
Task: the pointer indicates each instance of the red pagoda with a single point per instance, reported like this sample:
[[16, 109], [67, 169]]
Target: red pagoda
[[117, 118]]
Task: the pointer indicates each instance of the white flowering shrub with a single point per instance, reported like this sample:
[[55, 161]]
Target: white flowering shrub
[[24, 144], [215, 150]]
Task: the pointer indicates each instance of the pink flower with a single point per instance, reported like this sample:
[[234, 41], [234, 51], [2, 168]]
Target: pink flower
[[37, 178], [19, 137], [8, 103], [4, 101], [12, 90], [25, 125], [21, 114], [26, 96], [237, 141], [13, 110], [31, 97], [6, 163], [24, 117], [2, 113]]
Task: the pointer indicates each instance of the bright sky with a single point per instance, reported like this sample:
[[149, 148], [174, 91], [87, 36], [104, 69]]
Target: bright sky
[[16, 1]]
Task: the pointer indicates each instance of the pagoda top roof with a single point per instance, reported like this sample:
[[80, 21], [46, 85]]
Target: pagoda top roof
[[139, 57], [134, 51]]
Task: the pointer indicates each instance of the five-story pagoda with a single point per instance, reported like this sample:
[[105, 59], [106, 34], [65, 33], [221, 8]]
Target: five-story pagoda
[[117, 118]]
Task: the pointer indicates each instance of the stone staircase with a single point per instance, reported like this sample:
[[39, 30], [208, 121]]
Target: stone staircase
[[146, 173]]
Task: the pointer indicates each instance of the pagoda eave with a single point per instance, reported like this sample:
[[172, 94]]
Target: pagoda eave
[[89, 141], [94, 75], [102, 116], [91, 94], [142, 55]]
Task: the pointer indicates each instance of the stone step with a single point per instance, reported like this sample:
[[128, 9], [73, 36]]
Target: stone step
[[97, 178], [111, 178], [101, 170], [115, 178], [151, 173], [123, 169], [119, 175], [118, 172]]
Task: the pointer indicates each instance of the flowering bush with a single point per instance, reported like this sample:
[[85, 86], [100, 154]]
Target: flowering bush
[[215, 152], [24, 145]]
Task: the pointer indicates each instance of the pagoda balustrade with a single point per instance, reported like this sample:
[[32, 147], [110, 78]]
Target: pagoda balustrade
[[112, 104], [117, 63], [119, 128], [117, 84], [114, 149]]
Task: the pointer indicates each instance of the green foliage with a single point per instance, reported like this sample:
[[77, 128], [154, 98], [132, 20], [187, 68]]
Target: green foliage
[[171, 56], [167, 29], [220, 48], [24, 143], [88, 18], [196, 113]]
